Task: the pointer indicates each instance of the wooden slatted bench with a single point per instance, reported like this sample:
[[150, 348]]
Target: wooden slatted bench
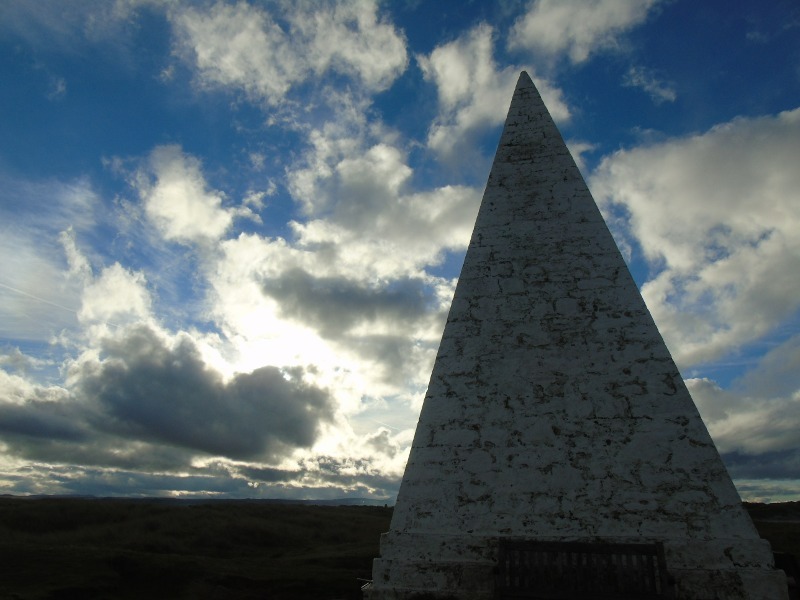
[[577, 570]]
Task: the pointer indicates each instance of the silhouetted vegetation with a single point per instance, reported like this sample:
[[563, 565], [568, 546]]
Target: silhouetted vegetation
[[70, 548]]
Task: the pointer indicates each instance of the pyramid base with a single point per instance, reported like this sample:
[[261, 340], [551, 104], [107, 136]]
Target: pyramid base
[[442, 567]]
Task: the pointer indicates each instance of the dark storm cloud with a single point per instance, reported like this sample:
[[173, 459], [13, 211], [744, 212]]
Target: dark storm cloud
[[268, 474], [148, 406], [780, 464], [100, 450], [335, 305], [147, 391], [51, 420]]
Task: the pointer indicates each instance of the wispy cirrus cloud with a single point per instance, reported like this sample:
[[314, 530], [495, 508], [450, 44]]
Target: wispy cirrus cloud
[[660, 91]]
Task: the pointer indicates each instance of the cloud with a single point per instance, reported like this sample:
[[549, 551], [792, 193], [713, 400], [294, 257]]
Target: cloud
[[716, 216], [781, 466], [349, 37], [177, 200], [329, 308], [383, 442], [38, 299], [158, 392], [58, 88], [147, 393], [761, 410], [470, 88], [15, 360], [238, 45], [51, 420], [50, 21], [116, 296], [658, 90], [354, 475], [122, 481], [247, 47], [577, 149], [754, 423], [365, 220], [577, 28], [743, 421], [391, 326], [335, 306], [760, 490]]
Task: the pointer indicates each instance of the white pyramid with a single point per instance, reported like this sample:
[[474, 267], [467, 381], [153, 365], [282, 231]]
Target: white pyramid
[[555, 413]]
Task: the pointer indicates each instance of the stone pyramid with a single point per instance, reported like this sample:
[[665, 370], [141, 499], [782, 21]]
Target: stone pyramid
[[558, 445]]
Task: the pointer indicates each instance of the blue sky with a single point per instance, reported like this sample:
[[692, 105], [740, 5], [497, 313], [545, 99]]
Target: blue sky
[[231, 230]]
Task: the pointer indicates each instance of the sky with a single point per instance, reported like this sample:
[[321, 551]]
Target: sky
[[231, 231]]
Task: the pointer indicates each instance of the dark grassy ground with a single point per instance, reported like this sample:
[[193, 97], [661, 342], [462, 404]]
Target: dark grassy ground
[[779, 523], [70, 548], [83, 548]]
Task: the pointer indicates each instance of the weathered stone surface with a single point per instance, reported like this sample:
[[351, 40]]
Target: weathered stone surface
[[554, 411]]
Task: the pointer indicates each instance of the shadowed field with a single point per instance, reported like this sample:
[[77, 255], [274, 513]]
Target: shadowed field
[[68, 548], [77, 548]]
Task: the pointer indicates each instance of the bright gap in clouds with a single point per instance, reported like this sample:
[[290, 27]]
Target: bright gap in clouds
[[232, 230]]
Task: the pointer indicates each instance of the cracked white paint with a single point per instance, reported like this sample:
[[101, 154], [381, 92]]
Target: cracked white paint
[[555, 411]]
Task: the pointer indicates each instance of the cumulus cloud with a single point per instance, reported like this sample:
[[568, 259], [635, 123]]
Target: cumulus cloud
[[177, 199], [470, 87], [164, 392], [364, 219], [117, 296], [357, 271], [267, 52], [716, 215], [289, 305], [391, 326], [146, 390], [366, 211], [349, 37], [14, 360], [382, 442], [238, 45], [577, 28]]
